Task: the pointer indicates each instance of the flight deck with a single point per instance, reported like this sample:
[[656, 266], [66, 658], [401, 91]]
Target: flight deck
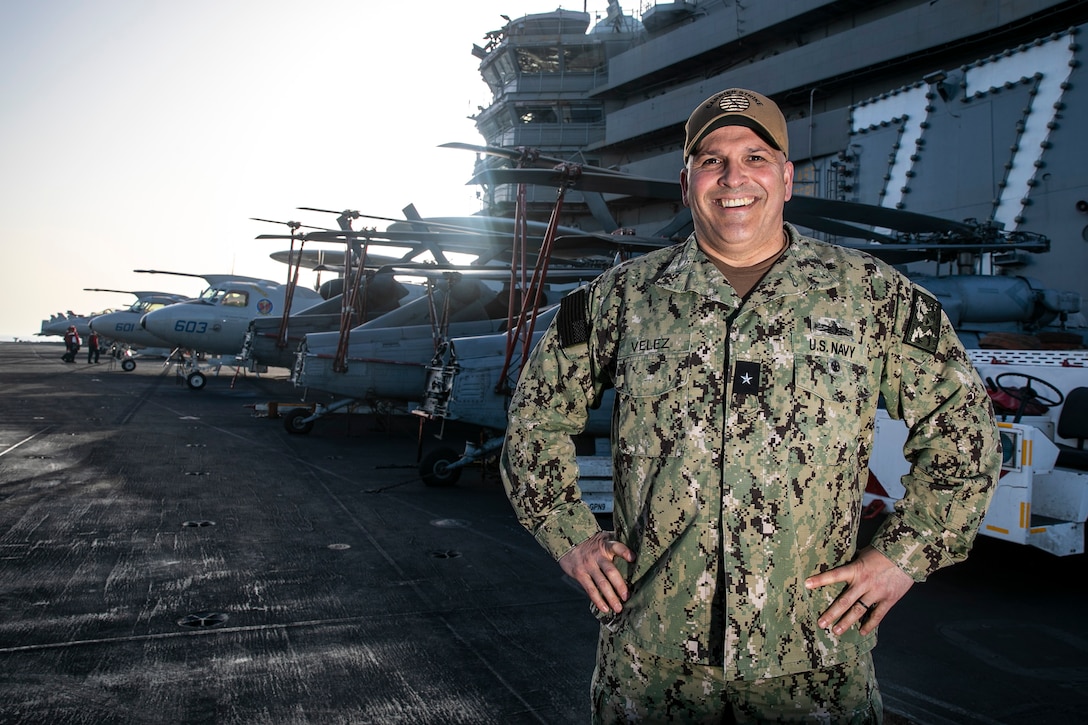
[[174, 556]]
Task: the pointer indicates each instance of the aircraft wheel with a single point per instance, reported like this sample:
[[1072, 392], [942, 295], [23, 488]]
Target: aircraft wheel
[[435, 469], [196, 381], [293, 422], [128, 365]]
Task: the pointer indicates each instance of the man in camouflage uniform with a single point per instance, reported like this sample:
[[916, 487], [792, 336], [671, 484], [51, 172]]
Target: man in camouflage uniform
[[747, 364]]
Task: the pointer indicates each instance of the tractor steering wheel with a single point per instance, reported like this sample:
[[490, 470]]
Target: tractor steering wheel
[[1027, 394]]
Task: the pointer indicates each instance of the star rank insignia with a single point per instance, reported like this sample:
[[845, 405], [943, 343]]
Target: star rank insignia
[[746, 378]]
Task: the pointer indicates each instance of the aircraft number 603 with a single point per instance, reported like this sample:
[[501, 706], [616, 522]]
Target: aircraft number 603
[[190, 326]]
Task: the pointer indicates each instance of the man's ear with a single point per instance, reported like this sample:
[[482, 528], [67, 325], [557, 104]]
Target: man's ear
[[684, 186]]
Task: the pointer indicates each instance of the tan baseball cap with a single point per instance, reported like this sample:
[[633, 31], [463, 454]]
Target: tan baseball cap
[[737, 107]]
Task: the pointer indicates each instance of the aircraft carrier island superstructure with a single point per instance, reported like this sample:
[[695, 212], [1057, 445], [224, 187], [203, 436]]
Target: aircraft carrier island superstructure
[[958, 109]]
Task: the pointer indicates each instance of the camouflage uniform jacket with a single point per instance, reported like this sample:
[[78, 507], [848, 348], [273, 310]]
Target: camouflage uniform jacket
[[740, 440]]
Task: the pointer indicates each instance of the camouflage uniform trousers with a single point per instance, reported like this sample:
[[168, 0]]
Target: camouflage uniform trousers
[[631, 685]]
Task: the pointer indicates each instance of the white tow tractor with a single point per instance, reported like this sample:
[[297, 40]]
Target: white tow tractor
[[1042, 496]]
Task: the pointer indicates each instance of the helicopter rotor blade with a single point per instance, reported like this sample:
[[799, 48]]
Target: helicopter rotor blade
[[588, 179], [522, 155], [292, 225], [877, 216]]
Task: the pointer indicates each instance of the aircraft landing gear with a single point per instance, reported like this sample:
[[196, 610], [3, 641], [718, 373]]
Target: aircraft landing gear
[[295, 421], [442, 466], [190, 366], [128, 365], [435, 468]]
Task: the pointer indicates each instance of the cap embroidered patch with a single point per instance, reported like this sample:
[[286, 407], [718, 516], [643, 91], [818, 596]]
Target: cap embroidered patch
[[734, 102]]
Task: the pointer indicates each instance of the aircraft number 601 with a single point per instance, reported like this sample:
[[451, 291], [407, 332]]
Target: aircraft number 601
[[190, 326]]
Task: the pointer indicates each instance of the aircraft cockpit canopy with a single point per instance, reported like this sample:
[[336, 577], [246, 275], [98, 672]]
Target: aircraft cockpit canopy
[[235, 298], [230, 298], [144, 306]]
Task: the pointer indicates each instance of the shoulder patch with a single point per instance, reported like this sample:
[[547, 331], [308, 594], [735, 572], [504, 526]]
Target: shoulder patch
[[924, 325], [572, 322]]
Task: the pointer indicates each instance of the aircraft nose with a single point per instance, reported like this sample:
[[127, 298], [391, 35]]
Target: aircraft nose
[[154, 321]]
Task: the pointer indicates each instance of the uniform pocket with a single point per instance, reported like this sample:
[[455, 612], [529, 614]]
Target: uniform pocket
[[652, 414], [832, 394], [651, 374], [832, 379]]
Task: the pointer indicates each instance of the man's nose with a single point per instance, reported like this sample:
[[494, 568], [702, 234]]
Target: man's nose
[[732, 174]]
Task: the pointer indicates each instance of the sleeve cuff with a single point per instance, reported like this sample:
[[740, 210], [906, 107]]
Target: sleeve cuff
[[916, 552], [565, 528]]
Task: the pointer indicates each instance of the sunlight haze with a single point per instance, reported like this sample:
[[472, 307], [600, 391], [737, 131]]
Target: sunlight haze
[[144, 135]]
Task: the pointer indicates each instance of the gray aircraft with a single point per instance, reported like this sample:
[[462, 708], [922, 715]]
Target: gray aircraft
[[381, 362], [359, 294], [215, 323], [123, 327]]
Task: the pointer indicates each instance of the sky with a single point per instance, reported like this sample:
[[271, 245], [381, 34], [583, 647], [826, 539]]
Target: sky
[[145, 134]]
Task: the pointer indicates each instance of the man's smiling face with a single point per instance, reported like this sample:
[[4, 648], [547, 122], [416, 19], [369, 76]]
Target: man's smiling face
[[736, 185]]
